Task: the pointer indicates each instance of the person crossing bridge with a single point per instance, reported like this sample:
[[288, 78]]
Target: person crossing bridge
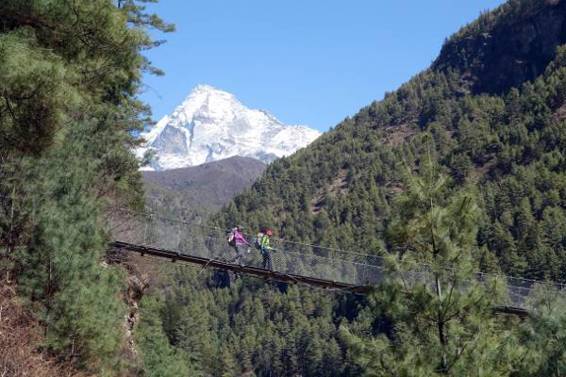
[[266, 249], [237, 240]]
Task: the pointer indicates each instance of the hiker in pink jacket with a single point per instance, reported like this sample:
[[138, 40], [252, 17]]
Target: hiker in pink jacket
[[237, 240]]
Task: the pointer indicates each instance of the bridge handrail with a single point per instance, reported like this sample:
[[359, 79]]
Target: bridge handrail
[[514, 283]]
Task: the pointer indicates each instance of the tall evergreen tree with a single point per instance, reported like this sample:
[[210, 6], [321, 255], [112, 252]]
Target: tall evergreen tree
[[543, 335], [441, 316], [160, 359], [70, 72]]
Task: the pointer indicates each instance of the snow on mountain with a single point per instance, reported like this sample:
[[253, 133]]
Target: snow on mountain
[[211, 125]]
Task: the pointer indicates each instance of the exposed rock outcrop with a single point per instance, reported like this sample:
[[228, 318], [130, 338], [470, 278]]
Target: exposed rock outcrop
[[509, 50]]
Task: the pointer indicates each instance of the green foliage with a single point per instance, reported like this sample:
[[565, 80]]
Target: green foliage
[[160, 359], [69, 76], [33, 94], [491, 124], [251, 328], [442, 317], [60, 267], [510, 146], [544, 335]]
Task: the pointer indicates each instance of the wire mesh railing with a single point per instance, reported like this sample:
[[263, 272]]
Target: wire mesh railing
[[209, 242], [294, 258]]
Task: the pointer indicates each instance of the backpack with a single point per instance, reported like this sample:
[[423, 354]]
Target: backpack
[[258, 239], [231, 239]]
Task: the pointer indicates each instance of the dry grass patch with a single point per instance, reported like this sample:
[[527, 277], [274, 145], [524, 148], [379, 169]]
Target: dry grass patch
[[20, 336]]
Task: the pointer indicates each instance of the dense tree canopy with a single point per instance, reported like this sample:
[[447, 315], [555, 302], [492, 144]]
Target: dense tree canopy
[[69, 75], [70, 72], [488, 122]]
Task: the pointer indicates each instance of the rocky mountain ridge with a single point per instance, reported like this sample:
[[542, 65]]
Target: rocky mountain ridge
[[212, 125]]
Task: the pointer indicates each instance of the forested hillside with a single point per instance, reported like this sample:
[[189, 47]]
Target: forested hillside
[[463, 168], [493, 104], [193, 193], [70, 72], [490, 112]]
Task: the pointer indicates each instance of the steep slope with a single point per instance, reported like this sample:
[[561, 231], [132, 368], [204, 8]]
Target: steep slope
[[211, 125], [484, 121], [20, 333], [200, 189], [340, 191], [70, 74], [506, 47]]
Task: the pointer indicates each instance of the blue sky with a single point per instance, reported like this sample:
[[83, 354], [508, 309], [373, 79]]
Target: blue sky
[[306, 62]]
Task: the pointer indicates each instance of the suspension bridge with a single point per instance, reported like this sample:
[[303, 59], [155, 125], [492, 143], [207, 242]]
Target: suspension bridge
[[293, 262]]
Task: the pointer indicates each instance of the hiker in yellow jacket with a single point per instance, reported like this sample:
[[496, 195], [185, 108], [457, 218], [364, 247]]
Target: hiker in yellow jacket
[[266, 249]]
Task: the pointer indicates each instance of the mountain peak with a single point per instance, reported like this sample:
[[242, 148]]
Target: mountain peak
[[204, 91], [205, 88], [212, 124]]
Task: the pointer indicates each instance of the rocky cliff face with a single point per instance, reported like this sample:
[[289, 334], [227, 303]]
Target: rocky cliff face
[[501, 50], [211, 125]]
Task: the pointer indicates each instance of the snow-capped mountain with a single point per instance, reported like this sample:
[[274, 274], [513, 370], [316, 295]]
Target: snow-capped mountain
[[211, 125]]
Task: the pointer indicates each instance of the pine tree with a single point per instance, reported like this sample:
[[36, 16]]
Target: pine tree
[[69, 76], [543, 335], [159, 357], [442, 317]]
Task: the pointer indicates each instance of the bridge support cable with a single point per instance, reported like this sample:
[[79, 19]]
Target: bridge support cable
[[248, 270], [293, 262]]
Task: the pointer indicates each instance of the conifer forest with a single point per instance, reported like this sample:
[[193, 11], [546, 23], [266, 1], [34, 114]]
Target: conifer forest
[[462, 169]]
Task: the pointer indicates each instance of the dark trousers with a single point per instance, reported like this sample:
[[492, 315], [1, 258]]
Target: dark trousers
[[240, 250], [267, 263]]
